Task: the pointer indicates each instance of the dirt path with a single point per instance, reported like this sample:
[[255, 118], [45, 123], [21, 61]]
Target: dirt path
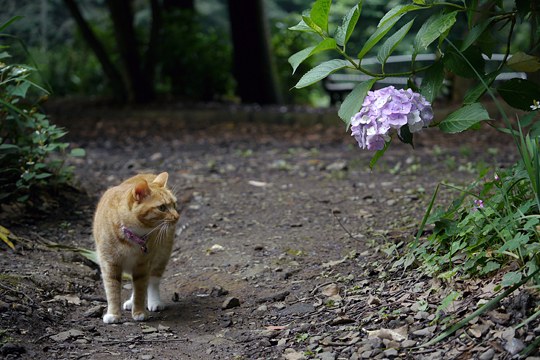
[[278, 255]]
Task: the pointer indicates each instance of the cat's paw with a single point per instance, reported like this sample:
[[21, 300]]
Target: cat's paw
[[111, 319], [128, 305], [156, 306], [139, 316]]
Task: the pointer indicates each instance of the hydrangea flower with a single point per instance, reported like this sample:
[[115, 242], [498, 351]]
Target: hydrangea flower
[[386, 109]]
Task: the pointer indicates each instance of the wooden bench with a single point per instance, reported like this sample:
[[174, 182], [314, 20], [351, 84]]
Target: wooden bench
[[338, 85]]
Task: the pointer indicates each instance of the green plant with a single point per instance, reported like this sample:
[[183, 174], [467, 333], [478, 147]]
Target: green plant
[[492, 222], [32, 156], [486, 227]]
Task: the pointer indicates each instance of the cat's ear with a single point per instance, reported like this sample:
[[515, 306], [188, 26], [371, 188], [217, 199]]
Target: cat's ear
[[141, 191], [161, 179]]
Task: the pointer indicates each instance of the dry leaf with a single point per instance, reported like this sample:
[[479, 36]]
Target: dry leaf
[[398, 334]]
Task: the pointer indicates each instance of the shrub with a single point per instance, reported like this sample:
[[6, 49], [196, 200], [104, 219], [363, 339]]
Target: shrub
[[32, 156]]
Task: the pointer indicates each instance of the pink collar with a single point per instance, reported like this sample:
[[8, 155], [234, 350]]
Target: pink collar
[[131, 236]]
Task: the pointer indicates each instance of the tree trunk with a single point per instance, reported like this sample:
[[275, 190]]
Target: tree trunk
[[253, 66], [112, 73], [140, 88]]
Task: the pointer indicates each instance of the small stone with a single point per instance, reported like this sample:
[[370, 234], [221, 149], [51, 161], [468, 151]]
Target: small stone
[[95, 311], [230, 302], [326, 355], [149, 330], [366, 354], [163, 328], [425, 331], [147, 357], [291, 354], [261, 309], [391, 353], [218, 291], [66, 335], [421, 315], [391, 344], [487, 355], [408, 344], [514, 346]]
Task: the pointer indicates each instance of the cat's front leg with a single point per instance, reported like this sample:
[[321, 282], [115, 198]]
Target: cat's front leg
[[154, 299], [138, 303], [112, 281]]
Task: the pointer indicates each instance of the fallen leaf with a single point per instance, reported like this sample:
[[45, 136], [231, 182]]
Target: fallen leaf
[[334, 263], [71, 299], [398, 334], [4, 235], [330, 290]]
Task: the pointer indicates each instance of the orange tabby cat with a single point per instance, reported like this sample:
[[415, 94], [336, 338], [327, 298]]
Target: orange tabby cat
[[134, 230]]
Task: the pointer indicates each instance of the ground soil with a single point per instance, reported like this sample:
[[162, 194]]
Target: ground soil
[[279, 254]]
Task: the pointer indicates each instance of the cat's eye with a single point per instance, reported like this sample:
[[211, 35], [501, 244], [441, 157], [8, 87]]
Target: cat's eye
[[162, 208]]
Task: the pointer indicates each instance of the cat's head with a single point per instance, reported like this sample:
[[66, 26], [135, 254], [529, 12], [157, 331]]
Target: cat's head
[[152, 201]]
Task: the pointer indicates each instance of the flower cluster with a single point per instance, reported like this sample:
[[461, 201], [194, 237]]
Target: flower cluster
[[386, 109]]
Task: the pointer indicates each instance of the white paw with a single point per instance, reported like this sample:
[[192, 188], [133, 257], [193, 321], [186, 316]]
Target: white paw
[[128, 305], [156, 306], [142, 316], [111, 319]]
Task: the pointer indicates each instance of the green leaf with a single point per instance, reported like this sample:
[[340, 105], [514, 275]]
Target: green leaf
[[353, 102], [378, 35], [489, 267], [516, 242], [475, 33], [519, 93], [433, 81], [43, 176], [343, 32], [456, 63], [77, 152], [433, 28], [21, 89], [296, 59], [321, 71], [319, 13], [448, 300], [309, 22], [397, 11], [523, 62], [463, 118], [302, 26], [511, 278], [405, 135], [378, 155], [9, 148], [9, 22], [392, 42], [474, 94]]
